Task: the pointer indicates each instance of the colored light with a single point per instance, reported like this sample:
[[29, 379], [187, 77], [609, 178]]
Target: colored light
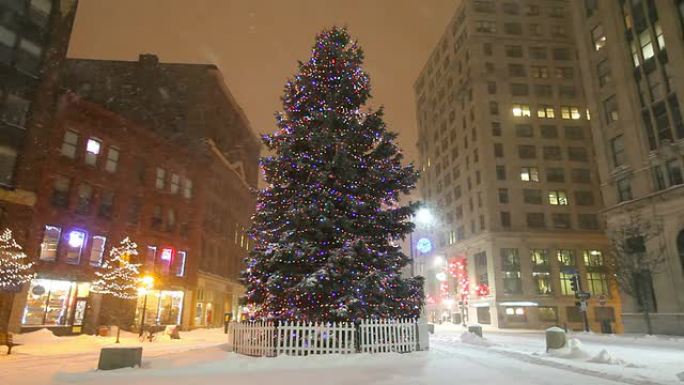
[[76, 238], [166, 254], [424, 245]]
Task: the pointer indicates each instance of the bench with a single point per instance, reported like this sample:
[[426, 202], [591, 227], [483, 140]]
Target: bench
[[6, 339]]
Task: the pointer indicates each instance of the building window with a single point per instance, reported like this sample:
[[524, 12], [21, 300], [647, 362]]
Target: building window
[[134, 211], [93, 148], [52, 302], [577, 154], [150, 257], [536, 220], [548, 313], [160, 180], [617, 147], [532, 196], [491, 90], [516, 71], [69, 144], [558, 31], [510, 8], [513, 28], [568, 92], [498, 150], [170, 219], [598, 37], [556, 11], [674, 172], [570, 113], [157, 219], [519, 89], [494, 108], [558, 198], [503, 195], [75, 241], [538, 53], [85, 198], [112, 159], [60, 191], [584, 198], [587, 222], [521, 110], [532, 10], [8, 40], [561, 53], [565, 73], [560, 220], [611, 109], [527, 151], [542, 282], [574, 133], [485, 26], [106, 204], [97, 248], [496, 130], [546, 112], [29, 56], [515, 51], [179, 263], [50, 243], [175, 183], [514, 314], [580, 175], [529, 174], [624, 190], [680, 239], [566, 257], [539, 72], [549, 132], [8, 158], [524, 131], [646, 44], [604, 72], [501, 172], [597, 283], [505, 219], [187, 188], [14, 110], [555, 174], [552, 153], [535, 29]]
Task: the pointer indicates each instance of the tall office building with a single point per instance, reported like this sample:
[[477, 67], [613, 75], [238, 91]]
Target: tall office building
[[632, 59], [508, 167]]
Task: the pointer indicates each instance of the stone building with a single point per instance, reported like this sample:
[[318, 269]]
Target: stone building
[[508, 167], [632, 56]]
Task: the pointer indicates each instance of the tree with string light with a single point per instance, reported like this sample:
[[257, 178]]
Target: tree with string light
[[119, 279], [327, 225], [15, 270]]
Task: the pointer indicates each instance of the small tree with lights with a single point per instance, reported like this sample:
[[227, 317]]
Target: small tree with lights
[[15, 271], [119, 279], [327, 225]]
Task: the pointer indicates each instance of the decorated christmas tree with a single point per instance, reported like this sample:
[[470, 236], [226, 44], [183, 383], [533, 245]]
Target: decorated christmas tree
[[119, 279], [328, 224], [15, 269]]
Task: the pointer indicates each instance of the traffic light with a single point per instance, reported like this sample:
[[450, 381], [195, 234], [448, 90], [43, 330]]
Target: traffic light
[[575, 283]]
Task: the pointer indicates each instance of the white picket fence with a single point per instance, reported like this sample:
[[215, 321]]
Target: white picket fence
[[306, 338], [383, 336]]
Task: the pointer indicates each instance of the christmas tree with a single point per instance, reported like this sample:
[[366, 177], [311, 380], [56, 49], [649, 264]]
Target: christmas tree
[[119, 279], [327, 224], [15, 270]]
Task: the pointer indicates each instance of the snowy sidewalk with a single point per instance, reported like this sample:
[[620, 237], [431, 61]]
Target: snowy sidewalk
[[627, 358], [199, 358]]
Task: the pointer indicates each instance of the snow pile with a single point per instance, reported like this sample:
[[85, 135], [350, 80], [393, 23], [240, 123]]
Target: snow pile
[[680, 375], [604, 357], [572, 350], [474, 339]]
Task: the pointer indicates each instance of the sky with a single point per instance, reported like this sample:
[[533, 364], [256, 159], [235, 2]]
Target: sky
[[257, 43]]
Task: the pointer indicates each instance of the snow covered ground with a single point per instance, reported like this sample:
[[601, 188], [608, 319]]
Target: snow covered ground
[[200, 358]]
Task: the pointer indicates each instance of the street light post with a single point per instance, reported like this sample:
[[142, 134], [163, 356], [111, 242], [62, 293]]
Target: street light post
[[147, 283]]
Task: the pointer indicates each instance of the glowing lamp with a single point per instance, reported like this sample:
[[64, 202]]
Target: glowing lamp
[[441, 276], [424, 245], [76, 238]]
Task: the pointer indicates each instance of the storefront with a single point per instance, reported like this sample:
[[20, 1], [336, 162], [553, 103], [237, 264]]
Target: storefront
[[56, 304], [163, 307]]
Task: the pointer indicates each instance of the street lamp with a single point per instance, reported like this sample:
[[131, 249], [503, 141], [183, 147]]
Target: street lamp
[[146, 284]]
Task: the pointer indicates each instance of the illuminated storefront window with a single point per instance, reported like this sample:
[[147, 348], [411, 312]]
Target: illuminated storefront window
[[54, 303], [163, 307]]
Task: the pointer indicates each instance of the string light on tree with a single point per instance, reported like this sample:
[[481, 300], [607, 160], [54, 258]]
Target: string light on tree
[[327, 224], [119, 277], [15, 269]]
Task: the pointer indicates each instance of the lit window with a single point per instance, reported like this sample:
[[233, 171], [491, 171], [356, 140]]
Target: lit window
[[179, 271], [93, 148], [160, 180], [150, 256], [69, 144], [546, 112], [521, 110], [112, 159], [175, 183], [48, 247], [187, 187], [529, 174], [558, 198], [568, 113], [646, 44], [75, 241], [598, 36], [97, 247]]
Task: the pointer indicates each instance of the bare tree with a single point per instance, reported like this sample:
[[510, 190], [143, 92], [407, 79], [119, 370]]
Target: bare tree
[[638, 256]]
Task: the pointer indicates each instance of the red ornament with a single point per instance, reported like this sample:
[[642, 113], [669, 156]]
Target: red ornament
[[482, 290]]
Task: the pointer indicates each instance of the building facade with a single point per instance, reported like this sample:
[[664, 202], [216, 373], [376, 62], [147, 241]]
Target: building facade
[[632, 58], [508, 167]]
